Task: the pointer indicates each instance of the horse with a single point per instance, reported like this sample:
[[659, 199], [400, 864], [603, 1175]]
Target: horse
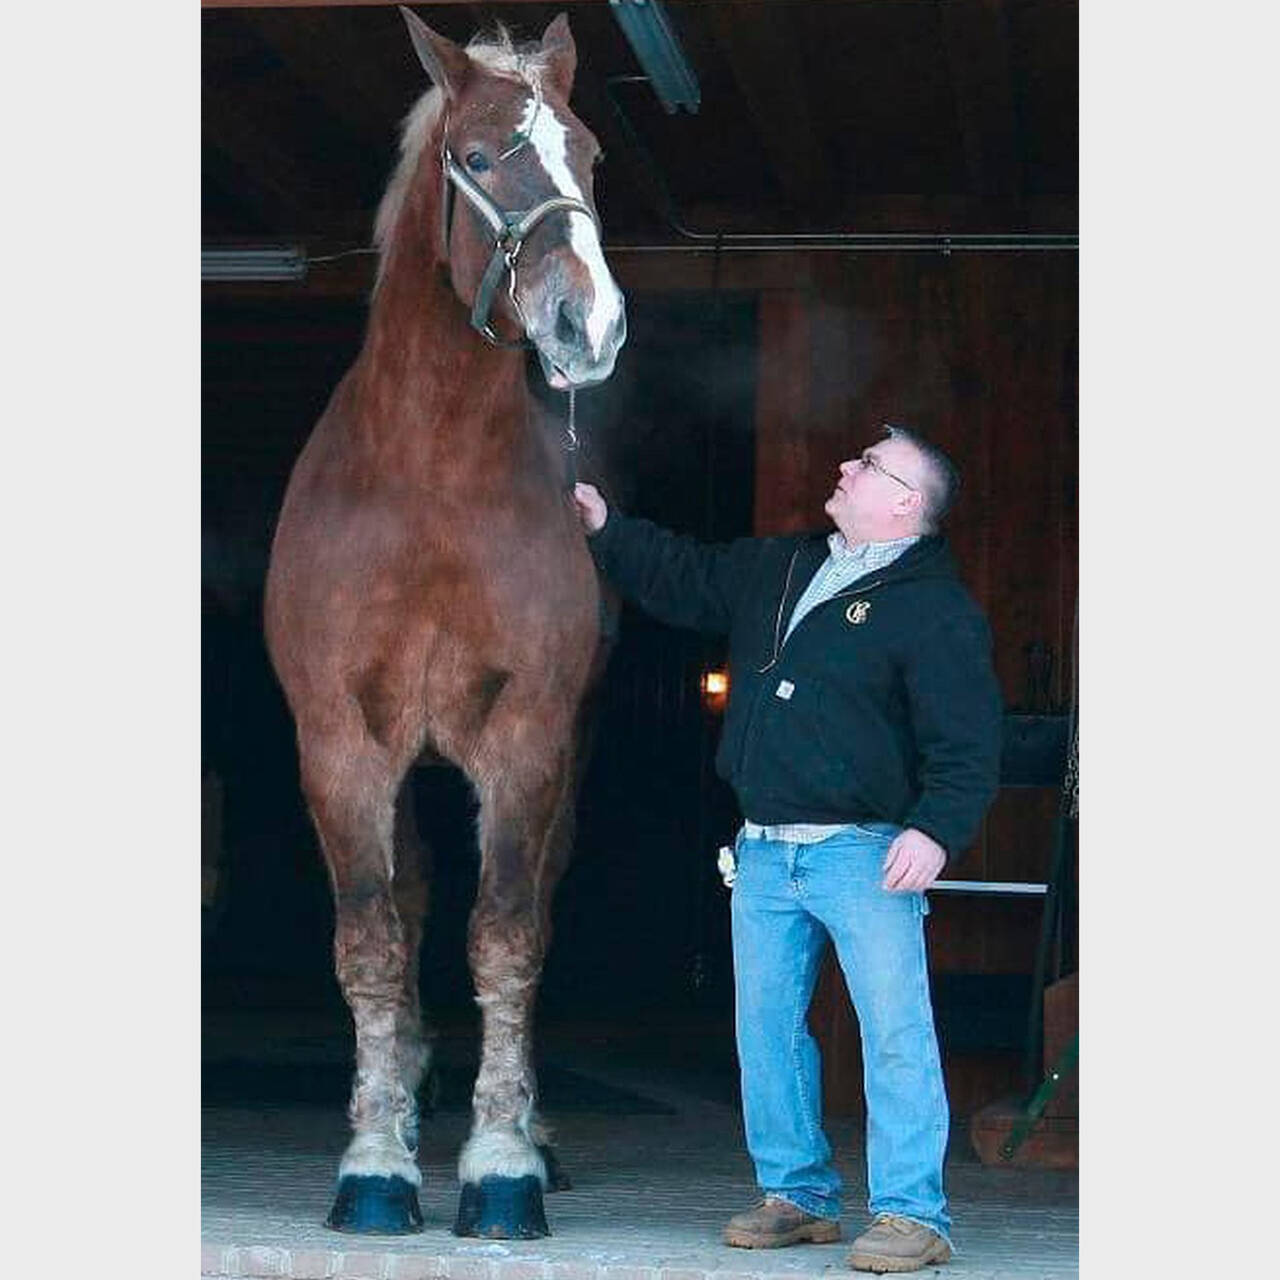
[[430, 593]]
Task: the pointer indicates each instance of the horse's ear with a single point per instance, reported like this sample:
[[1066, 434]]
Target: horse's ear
[[446, 64], [561, 53]]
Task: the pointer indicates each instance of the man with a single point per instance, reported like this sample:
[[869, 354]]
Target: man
[[862, 739]]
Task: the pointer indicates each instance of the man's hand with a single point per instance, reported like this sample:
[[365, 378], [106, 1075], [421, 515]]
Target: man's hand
[[913, 862], [591, 507]]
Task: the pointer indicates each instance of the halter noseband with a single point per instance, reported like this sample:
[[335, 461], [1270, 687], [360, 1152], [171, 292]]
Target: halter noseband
[[509, 231]]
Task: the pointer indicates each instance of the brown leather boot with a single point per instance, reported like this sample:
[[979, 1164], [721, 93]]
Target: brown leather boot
[[897, 1244], [774, 1223]]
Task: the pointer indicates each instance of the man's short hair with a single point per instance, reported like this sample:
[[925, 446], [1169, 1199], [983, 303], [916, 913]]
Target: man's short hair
[[941, 480]]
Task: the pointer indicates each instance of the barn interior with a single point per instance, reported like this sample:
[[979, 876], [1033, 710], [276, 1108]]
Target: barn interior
[[847, 212]]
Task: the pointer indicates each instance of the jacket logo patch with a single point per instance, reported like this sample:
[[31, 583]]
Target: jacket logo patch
[[857, 612]]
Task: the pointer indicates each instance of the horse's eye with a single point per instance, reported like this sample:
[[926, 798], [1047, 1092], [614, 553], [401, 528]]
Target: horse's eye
[[477, 161]]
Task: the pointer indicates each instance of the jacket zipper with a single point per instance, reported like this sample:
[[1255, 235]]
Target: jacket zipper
[[782, 604]]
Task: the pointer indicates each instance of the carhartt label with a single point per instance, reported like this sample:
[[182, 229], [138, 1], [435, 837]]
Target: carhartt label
[[784, 690]]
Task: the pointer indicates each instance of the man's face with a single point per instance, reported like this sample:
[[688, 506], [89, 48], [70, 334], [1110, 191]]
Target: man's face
[[878, 492]]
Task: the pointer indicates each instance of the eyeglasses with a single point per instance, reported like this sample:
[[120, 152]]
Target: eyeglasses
[[870, 463]]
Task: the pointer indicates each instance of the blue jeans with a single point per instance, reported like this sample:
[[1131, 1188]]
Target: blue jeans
[[787, 899]]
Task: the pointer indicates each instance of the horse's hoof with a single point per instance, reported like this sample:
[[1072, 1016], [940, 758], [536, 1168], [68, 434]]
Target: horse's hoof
[[557, 1179], [369, 1205], [502, 1209]]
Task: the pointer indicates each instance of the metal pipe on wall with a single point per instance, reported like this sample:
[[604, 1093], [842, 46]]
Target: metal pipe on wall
[[865, 242]]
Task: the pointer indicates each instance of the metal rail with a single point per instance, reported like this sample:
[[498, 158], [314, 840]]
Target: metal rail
[[1015, 888]]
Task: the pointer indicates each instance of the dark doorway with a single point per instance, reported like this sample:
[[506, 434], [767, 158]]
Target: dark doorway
[[641, 916]]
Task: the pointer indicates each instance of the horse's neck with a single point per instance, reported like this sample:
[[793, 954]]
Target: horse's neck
[[420, 339], [424, 370]]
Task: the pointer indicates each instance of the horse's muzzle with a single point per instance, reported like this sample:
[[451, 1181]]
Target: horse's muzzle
[[568, 355]]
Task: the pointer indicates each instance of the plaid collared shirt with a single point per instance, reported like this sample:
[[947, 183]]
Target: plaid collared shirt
[[842, 567]]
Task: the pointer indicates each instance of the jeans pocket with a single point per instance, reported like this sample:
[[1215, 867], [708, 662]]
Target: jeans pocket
[[741, 843]]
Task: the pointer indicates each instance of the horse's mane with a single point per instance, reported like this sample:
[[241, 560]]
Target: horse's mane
[[495, 51]]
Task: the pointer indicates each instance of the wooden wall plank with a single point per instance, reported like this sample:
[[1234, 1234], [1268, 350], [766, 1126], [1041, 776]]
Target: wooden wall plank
[[782, 413], [768, 64], [979, 352]]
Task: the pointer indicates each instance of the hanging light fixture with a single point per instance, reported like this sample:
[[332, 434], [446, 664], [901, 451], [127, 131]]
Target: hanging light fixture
[[657, 48], [272, 262]]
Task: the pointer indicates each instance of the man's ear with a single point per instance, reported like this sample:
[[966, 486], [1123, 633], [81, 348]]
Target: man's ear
[[446, 64], [561, 54], [912, 502]]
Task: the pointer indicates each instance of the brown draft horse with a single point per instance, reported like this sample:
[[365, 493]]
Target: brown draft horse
[[430, 590]]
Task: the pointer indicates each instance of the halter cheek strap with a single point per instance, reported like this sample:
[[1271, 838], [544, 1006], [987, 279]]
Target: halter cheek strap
[[509, 231]]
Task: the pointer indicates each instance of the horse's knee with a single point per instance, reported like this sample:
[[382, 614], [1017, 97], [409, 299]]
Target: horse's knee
[[504, 944], [370, 948]]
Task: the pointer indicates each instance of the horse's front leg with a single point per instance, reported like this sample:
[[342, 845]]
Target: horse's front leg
[[411, 891], [351, 786], [559, 848], [502, 1166]]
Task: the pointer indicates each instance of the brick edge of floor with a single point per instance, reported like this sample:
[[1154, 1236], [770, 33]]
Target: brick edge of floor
[[258, 1262]]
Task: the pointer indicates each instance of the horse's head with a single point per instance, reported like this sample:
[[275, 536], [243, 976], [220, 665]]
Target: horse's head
[[519, 226]]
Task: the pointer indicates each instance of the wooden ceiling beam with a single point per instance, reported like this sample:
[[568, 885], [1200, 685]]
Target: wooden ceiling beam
[[771, 75], [977, 47], [357, 91], [440, 4], [268, 175], [366, 4]]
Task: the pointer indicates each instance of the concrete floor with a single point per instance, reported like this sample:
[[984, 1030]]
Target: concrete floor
[[650, 1136]]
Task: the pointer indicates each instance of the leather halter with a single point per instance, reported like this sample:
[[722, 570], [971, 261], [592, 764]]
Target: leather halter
[[509, 231]]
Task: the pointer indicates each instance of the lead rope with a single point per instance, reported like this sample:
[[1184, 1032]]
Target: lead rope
[[571, 442]]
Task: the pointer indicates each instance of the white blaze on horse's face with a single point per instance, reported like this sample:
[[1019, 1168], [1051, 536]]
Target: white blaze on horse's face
[[577, 320]]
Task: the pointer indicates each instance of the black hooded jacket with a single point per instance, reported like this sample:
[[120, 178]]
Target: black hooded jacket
[[882, 705]]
